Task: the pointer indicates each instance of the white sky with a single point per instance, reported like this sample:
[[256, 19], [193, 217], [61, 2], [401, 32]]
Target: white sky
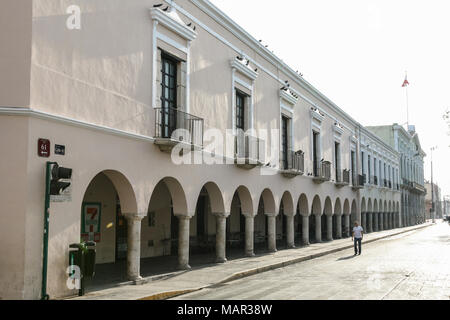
[[356, 52]]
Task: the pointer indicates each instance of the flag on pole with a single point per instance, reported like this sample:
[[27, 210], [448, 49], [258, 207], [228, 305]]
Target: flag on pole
[[406, 83]]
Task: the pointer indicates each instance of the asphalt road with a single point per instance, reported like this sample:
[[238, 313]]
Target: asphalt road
[[411, 266]]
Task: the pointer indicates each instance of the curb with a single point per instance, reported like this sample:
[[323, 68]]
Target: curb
[[251, 272]]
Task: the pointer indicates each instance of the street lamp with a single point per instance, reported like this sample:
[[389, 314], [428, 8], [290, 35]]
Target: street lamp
[[433, 211]]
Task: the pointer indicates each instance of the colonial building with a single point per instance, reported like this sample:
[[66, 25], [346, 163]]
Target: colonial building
[[412, 182], [184, 134], [438, 203]]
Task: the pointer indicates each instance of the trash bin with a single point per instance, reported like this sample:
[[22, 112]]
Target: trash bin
[[89, 260], [82, 255]]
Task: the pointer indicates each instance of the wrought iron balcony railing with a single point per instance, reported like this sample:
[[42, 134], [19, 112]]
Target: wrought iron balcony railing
[[249, 150], [292, 163], [173, 126], [342, 177], [358, 181], [322, 171]]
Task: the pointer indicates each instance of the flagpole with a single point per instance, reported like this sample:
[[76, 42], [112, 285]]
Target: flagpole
[[407, 108], [406, 85]]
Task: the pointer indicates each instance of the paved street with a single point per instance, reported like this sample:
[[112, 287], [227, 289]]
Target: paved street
[[413, 265]]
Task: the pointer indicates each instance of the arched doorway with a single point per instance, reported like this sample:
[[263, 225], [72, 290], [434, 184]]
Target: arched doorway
[[107, 200], [238, 237]]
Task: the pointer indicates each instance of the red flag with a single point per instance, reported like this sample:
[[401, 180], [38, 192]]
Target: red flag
[[406, 83]]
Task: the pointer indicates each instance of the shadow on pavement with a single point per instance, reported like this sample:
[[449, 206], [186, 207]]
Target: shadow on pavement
[[346, 258]]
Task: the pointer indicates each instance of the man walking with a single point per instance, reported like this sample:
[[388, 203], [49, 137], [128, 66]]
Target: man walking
[[357, 236]]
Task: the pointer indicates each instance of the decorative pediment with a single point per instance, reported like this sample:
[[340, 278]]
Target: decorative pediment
[[338, 130], [172, 21], [317, 115], [242, 65], [288, 96]]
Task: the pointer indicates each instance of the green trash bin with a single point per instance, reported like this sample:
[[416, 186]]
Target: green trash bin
[[82, 255], [89, 260]]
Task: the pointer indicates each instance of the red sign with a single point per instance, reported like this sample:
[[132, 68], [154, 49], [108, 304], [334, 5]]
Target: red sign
[[44, 148]]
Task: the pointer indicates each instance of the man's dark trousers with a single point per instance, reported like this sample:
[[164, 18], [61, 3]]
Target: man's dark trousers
[[358, 245]]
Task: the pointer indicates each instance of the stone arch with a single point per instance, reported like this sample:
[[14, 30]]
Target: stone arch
[[303, 206], [215, 197], [328, 207], [346, 207], [179, 203], [245, 199], [288, 204], [363, 205], [123, 188], [338, 207], [108, 205], [269, 202], [316, 208], [354, 216]]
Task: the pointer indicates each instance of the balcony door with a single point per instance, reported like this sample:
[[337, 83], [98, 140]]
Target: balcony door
[[168, 96], [316, 153], [284, 142], [240, 111]]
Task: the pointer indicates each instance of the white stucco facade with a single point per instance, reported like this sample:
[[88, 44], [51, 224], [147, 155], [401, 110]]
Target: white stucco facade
[[99, 91]]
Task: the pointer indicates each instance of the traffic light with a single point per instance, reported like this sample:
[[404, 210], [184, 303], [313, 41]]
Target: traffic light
[[58, 173]]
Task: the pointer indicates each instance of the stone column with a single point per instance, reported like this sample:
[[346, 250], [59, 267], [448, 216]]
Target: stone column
[[249, 235], [347, 225], [381, 221], [134, 247], [339, 226], [318, 228], [376, 222], [385, 219], [305, 230], [363, 221], [369, 222], [272, 232], [290, 237], [183, 242], [330, 228], [221, 237]]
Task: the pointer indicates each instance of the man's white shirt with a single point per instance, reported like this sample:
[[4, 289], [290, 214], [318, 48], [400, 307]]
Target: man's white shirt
[[357, 231]]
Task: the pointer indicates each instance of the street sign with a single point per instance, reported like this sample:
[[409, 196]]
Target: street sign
[[44, 148], [60, 149]]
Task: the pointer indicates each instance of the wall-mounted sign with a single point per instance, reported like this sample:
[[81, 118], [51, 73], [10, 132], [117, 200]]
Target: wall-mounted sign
[[60, 149], [91, 219], [44, 148]]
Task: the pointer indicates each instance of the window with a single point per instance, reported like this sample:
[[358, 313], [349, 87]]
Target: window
[[363, 169], [375, 170], [353, 159], [240, 110], [316, 153], [337, 159], [168, 95], [369, 169], [284, 141]]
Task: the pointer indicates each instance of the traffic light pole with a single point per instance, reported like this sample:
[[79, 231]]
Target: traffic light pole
[[44, 295]]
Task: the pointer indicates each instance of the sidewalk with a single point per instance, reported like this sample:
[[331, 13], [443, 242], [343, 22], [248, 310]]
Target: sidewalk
[[171, 285]]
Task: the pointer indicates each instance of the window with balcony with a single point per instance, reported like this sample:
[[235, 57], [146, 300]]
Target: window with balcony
[[240, 111], [168, 95]]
